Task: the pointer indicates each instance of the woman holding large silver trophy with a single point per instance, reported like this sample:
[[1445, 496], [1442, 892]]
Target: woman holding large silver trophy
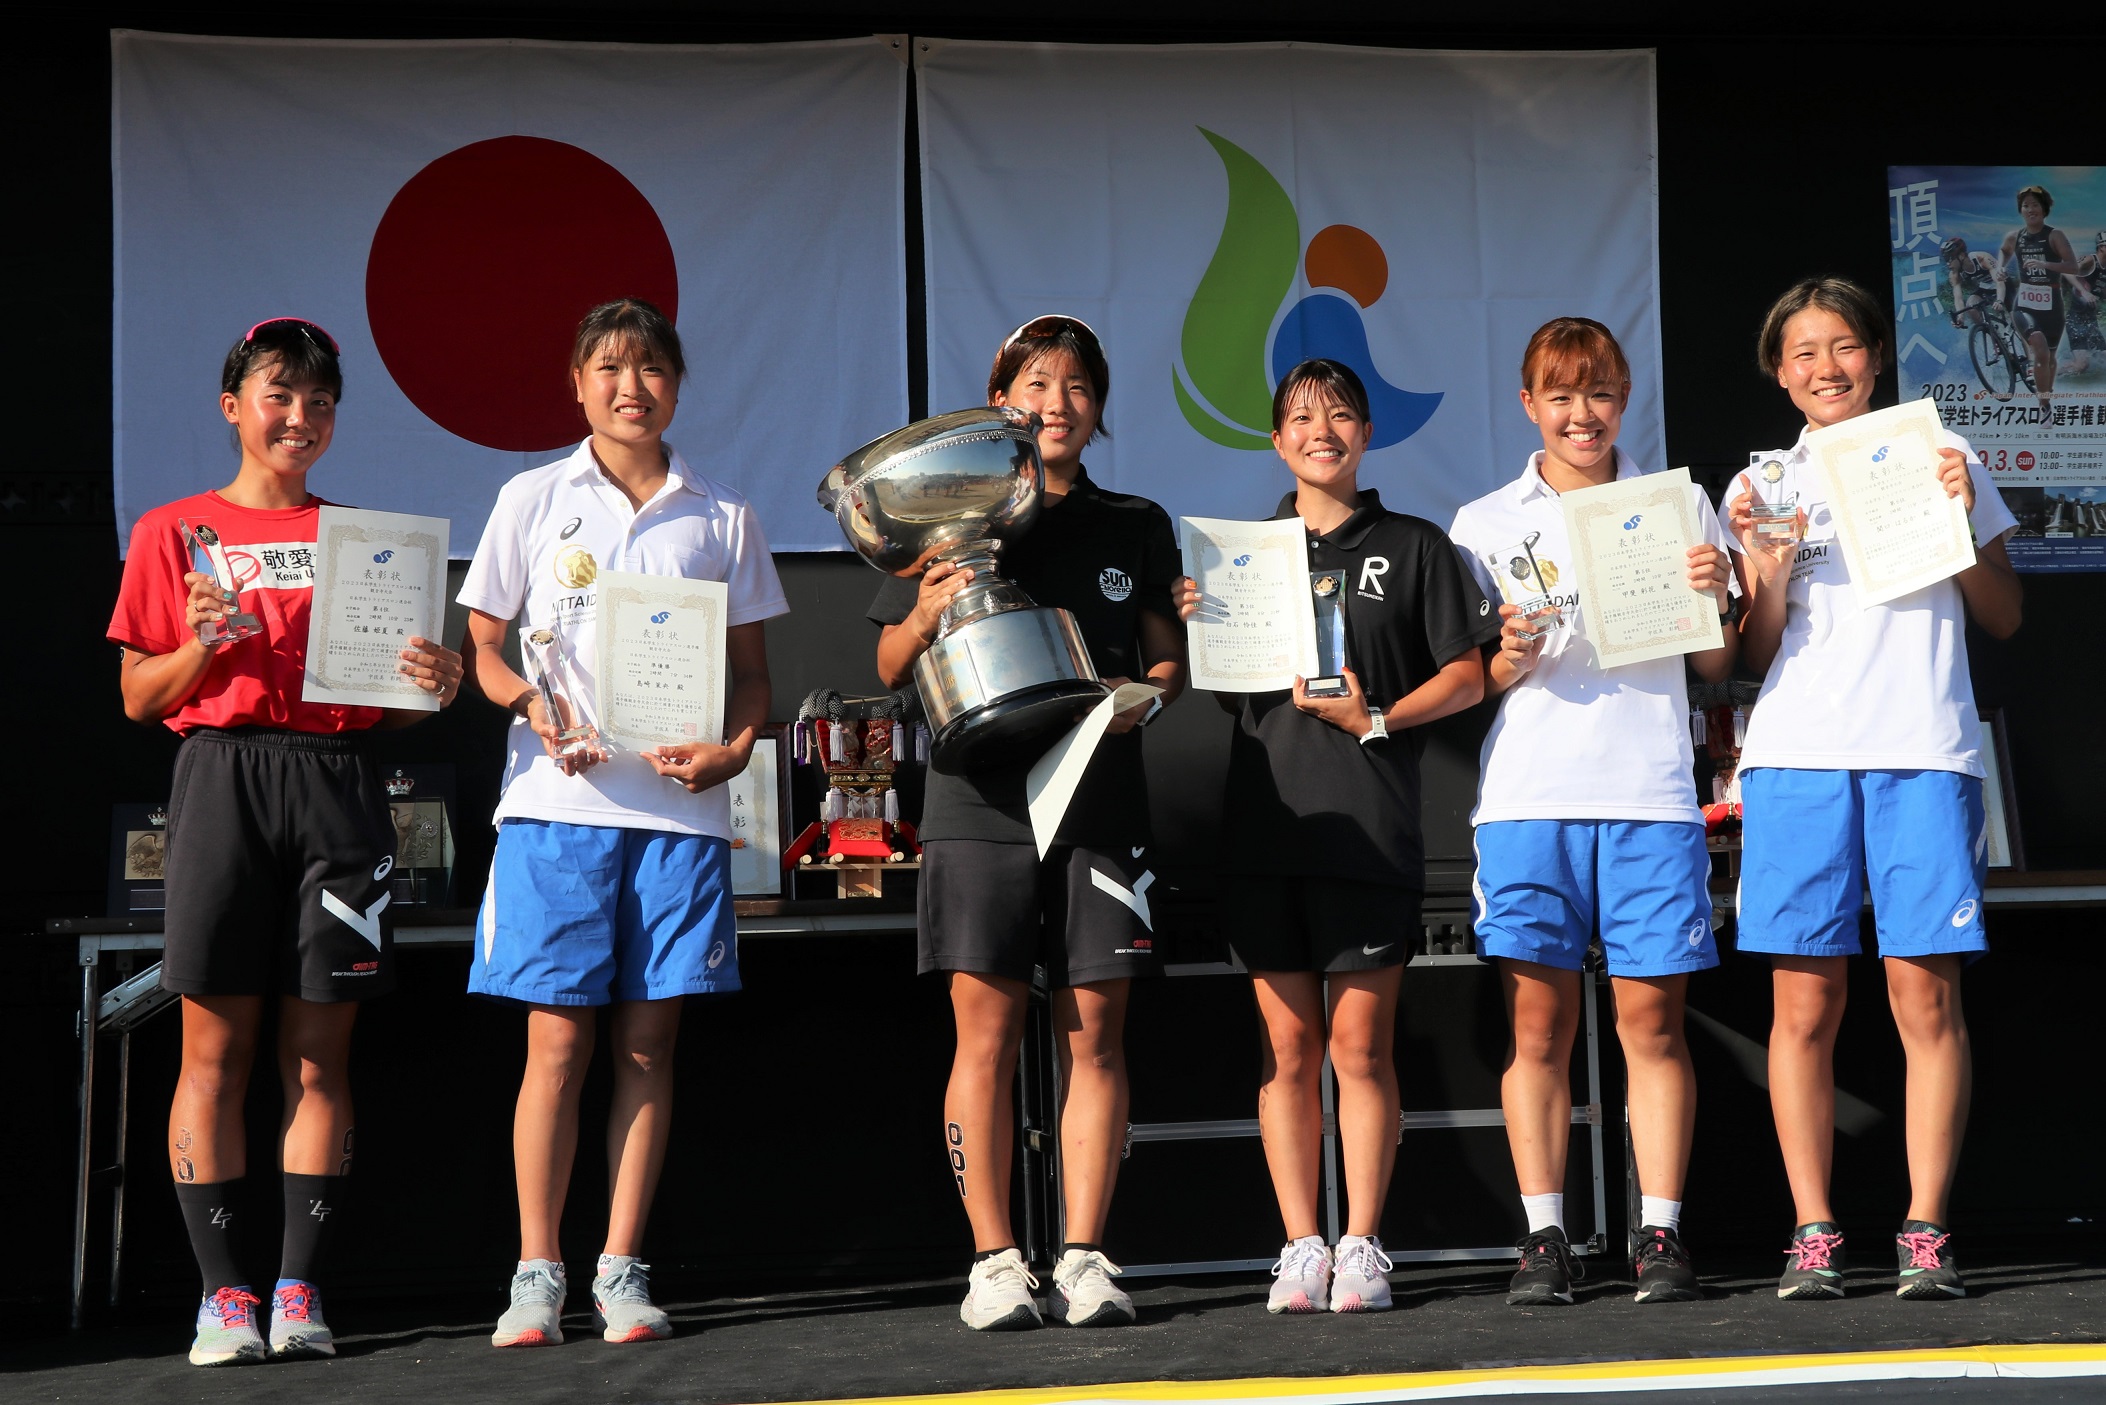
[[992, 909]]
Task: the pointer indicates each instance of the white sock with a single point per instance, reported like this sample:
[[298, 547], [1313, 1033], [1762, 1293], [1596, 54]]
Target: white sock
[[1667, 1214], [610, 1262], [1544, 1211], [550, 1264]]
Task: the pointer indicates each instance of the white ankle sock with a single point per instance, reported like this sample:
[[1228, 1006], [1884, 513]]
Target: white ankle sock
[[1667, 1214], [610, 1262], [550, 1264], [1544, 1211]]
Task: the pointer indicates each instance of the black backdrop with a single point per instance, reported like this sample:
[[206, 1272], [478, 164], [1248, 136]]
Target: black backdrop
[[1773, 149]]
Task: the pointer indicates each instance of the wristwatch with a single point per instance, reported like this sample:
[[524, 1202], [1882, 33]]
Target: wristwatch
[[1155, 707], [1377, 728]]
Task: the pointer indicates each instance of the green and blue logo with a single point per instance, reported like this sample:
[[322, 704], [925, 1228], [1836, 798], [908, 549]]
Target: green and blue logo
[[1232, 354]]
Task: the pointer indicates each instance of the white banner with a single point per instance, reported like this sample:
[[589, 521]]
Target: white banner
[[449, 210], [1218, 212]]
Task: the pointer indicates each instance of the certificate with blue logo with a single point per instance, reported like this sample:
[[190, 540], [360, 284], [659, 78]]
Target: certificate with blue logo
[[661, 659], [1900, 530], [1256, 629], [379, 581], [1630, 544]]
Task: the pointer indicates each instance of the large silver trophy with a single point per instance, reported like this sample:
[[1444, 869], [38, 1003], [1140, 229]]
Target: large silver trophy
[[1005, 676]]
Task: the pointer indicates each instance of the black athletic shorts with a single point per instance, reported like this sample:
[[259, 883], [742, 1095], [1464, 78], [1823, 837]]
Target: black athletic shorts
[[279, 849], [1277, 923], [999, 910], [2048, 324]]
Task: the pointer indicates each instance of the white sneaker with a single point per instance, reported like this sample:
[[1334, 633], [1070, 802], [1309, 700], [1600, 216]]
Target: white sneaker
[[1302, 1277], [998, 1295], [621, 1302], [1083, 1292], [535, 1317], [1357, 1266]]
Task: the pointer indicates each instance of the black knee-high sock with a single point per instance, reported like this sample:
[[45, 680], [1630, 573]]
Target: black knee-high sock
[[313, 1206], [209, 1215]]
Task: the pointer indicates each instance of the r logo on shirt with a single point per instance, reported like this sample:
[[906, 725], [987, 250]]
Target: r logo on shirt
[[1115, 583], [1372, 570]]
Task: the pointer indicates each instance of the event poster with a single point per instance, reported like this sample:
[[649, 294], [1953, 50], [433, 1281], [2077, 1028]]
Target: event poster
[[1973, 285]]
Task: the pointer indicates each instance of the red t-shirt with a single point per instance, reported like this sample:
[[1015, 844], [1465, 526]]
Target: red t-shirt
[[254, 681]]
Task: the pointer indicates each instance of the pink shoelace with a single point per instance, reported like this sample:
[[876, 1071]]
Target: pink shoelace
[[1923, 1247], [292, 1303], [1816, 1250], [233, 1307]]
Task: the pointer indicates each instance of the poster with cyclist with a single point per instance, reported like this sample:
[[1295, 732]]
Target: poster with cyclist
[[1999, 283]]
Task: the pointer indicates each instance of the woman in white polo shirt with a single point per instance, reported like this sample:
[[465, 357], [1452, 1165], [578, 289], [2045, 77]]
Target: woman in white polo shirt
[[611, 882], [1862, 767], [1587, 818]]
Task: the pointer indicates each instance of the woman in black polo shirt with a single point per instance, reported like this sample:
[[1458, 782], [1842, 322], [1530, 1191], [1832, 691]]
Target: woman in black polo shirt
[[991, 909], [1323, 798]]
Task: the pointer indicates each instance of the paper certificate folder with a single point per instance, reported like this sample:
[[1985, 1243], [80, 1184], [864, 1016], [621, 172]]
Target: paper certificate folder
[[1630, 543], [1255, 631], [1899, 529]]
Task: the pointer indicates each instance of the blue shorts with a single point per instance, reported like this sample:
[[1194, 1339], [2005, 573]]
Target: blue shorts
[[1815, 839], [585, 914], [1542, 886]]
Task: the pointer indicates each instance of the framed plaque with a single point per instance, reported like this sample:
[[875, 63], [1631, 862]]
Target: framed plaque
[[1999, 798], [138, 849], [760, 816]]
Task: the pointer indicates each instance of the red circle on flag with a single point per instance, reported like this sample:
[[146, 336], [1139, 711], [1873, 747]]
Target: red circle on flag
[[480, 270], [2025, 460]]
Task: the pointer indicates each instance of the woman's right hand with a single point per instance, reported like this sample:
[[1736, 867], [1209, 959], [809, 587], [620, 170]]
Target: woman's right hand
[[1770, 557], [550, 731], [1518, 648], [939, 585], [207, 603]]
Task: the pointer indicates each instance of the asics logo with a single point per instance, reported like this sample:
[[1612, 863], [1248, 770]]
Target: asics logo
[[1964, 913], [1696, 933], [383, 868], [569, 528]]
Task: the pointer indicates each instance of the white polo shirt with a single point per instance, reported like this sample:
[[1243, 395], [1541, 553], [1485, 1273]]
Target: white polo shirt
[[1573, 740], [554, 529], [1866, 687]]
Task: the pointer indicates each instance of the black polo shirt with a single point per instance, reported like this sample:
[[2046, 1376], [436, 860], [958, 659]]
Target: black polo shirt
[[1305, 799], [1104, 558]]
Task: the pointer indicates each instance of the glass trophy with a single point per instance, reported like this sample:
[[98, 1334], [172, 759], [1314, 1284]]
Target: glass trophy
[[208, 557], [1328, 596], [1526, 582], [1772, 512], [553, 674]]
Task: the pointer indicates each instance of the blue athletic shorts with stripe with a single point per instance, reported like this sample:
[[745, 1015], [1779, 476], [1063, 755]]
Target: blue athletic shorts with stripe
[[1814, 840], [1543, 886], [583, 914]]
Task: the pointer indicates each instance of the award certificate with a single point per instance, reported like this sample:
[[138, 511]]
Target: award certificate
[[1900, 531], [379, 578], [1255, 631], [661, 659], [1630, 542]]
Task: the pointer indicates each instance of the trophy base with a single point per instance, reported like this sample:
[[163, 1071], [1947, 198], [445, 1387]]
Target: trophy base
[[1332, 687], [1018, 728], [1770, 530], [231, 630]]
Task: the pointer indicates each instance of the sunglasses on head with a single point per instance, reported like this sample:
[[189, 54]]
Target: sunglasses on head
[[1052, 325], [311, 329]]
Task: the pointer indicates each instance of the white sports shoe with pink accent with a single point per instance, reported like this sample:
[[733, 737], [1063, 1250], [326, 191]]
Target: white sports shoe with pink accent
[[1301, 1280]]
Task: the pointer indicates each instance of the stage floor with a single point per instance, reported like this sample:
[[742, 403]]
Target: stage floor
[[1452, 1336]]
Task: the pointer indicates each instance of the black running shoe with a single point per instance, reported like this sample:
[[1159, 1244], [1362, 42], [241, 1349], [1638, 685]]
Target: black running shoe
[[1662, 1268], [1816, 1268], [1927, 1271], [1548, 1270]]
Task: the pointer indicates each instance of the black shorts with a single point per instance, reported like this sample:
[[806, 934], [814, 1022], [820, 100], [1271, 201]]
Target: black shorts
[[2029, 321], [279, 847], [999, 910], [1277, 923]]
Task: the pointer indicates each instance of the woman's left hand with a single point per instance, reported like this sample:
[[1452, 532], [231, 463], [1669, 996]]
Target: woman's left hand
[[433, 667], [1709, 572], [1955, 477], [699, 766], [1348, 713]]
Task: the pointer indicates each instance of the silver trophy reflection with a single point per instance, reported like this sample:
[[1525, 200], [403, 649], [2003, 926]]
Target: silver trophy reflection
[[1005, 676], [553, 677], [209, 558]]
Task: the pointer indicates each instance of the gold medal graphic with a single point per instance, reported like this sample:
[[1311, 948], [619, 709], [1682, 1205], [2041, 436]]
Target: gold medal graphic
[[1772, 472], [1547, 573], [1325, 585], [575, 567]]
